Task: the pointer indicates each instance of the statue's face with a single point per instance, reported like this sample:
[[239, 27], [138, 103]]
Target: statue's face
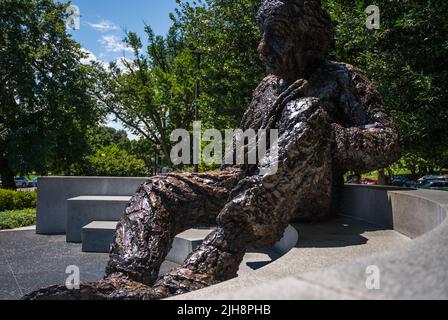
[[276, 48], [297, 34]]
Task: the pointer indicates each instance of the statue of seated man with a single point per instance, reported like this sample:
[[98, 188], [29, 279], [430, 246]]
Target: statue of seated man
[[330, 120]]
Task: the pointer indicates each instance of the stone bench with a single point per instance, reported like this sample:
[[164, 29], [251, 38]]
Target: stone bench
[[98, 236], [85, 209], [53, 192]]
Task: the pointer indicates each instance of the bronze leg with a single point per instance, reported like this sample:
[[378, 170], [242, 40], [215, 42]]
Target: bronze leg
[[162, 208]]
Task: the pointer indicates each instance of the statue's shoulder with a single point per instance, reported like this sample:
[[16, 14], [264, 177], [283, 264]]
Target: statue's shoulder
[[350, 72], [267, 84], [356, 82], [341, 70], [352, 77]]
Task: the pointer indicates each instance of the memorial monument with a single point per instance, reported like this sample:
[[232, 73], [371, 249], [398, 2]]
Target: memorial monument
[[330, 120]]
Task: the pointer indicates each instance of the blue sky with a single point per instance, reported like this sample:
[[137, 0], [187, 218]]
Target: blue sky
[[103, 24]]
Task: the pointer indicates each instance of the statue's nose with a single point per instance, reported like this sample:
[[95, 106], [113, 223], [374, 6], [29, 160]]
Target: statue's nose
[[263, 47]]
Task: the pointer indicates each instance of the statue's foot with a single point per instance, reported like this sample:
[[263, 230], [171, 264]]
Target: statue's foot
[[181, 281], [114, 287], [119, 287]]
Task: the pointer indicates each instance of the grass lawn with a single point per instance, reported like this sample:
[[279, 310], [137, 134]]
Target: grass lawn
[[17, 219]]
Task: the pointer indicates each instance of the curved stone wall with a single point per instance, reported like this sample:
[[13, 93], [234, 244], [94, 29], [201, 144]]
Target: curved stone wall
[[416, 213], [415, 269]]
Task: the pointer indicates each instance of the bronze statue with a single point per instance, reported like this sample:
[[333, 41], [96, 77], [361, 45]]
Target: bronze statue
[[330, 120]]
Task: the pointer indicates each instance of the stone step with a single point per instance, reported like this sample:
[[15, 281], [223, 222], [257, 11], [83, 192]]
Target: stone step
[[85, 209], [98, 236], [185, 243]]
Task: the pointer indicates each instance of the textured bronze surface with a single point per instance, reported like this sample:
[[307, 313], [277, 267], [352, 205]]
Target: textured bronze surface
[[330, 120]]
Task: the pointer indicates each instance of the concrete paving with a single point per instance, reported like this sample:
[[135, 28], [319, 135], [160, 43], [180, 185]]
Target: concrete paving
[[29, 262]]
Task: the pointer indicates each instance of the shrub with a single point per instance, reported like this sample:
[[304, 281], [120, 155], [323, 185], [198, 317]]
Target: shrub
[[13, 200], [17, 219], [6, 200]]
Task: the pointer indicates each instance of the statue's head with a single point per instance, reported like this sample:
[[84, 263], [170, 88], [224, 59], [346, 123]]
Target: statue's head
[[297, 34]]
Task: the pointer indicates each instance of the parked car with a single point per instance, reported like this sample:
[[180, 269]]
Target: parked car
[[356, 179], [21, 182], [435, 185], [431, 178], [399, 181], [32, 183], [369, 182], [403, 181], [412, 184]]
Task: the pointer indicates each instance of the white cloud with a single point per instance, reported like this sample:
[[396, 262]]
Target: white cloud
[[112, 43], [103, 26], [90, 58], [121, 64]]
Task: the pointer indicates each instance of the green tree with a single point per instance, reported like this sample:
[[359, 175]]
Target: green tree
[[407, 58], [101, 136], [227, 35], [152, 95], [155, 92], [46, 104], [112, 161]]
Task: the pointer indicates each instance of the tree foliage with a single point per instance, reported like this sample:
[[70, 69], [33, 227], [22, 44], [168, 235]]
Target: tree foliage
[[407, 59], [111, 153], [50, 103], [101, 136], [46, 103], [153, 94], [227, 35], [112, 161]]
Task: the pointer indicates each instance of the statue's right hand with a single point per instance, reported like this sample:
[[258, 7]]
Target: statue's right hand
[[297, 90], [301, 88]]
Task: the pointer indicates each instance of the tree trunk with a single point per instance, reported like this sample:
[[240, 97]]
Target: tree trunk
[[381, 178], [414, 172], [7, 175], [166, 150]]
